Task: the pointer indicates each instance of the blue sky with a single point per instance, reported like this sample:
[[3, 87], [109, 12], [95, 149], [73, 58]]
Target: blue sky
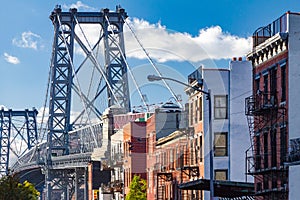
[[26, 36]]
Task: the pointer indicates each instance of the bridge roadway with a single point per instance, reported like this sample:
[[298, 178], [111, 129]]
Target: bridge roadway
[[32, 165]]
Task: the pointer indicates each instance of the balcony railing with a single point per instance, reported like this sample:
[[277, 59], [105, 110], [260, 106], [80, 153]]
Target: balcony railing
[[117, 159], [263, 33], [256, 104], [117, 185], [259, 162], [294, 152]]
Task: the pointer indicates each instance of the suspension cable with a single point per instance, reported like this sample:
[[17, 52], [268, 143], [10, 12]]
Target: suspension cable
[[96, 61], [151, 61], [126, 63], [76, 78], [45, 103], [40, 138], [94, 67]]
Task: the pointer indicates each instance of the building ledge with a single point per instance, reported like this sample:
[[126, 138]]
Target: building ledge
[[270, 48]]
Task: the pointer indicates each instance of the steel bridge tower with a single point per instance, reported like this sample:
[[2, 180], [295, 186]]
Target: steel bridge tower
[[63, 74], [16, 128]]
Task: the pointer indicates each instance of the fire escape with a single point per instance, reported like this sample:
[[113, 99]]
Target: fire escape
[[189, 171], [163, 176], [268, 152]]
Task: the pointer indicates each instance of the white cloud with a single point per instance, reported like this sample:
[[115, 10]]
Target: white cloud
[[28, 40], [164, 45], [3, 107], [80, 6], [11, 59]]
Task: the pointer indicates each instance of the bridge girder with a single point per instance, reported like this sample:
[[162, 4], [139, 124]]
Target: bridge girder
[[16, 127], [63, 72]]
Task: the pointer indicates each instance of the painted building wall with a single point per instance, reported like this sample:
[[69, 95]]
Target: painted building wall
[[294, 174], [240, 88], [294, 74], [217, 80], [294, 94], [235, 83]]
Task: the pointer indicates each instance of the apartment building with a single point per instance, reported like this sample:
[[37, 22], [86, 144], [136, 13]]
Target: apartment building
[[228, 86], [274, 107], [121, 133], [178, 161], [174, 158], [167, 137]]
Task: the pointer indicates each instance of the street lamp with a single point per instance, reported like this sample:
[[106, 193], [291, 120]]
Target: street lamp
[[208, 94]]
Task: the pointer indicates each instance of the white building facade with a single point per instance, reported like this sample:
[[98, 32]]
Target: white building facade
[[229, 87]]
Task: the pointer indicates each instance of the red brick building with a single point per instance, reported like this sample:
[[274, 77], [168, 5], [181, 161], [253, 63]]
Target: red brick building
[[134, 137], [172, 155], [267, 109]]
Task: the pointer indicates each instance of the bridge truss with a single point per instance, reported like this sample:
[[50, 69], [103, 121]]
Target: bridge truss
[[75, 136], [113, 84], [18, 134]]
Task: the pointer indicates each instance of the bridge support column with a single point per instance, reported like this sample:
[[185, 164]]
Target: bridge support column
[[86, 183], [76, 181]]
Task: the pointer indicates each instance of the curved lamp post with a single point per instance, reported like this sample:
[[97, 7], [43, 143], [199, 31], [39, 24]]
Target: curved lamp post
[[208, 95]]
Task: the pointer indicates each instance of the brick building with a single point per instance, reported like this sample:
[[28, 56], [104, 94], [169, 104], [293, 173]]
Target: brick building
[[274, 108], [178, 161], [167, 136], [134, 134]]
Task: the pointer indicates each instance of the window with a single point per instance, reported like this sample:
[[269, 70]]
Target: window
[[200, 108], [192, 152], [172, 158], [266, 89], [283, 83], [221, 144], [273, 81], [201, 149], [220, 107], [191, 113], [266, 182], [266, 156], [257, 85], [196, 111], [283, 149], [273, 148], [221, 174], [257, 153]]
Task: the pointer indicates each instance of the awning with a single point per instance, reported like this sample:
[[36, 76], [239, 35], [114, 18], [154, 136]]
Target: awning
[[227, 189]]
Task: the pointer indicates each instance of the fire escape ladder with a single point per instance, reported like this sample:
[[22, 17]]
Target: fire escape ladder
[[264, 116], [162, 178]]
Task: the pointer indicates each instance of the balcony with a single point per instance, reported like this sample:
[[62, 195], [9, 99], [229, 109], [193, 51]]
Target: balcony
[[117, 186], [264, 33], [117, 159], [259, 103]]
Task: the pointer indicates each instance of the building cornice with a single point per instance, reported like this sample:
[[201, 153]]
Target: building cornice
[[269, 48]]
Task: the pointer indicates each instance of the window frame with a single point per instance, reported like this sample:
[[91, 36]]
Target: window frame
[[225, 147], [221, 170], [283, 82], [221, 107]]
